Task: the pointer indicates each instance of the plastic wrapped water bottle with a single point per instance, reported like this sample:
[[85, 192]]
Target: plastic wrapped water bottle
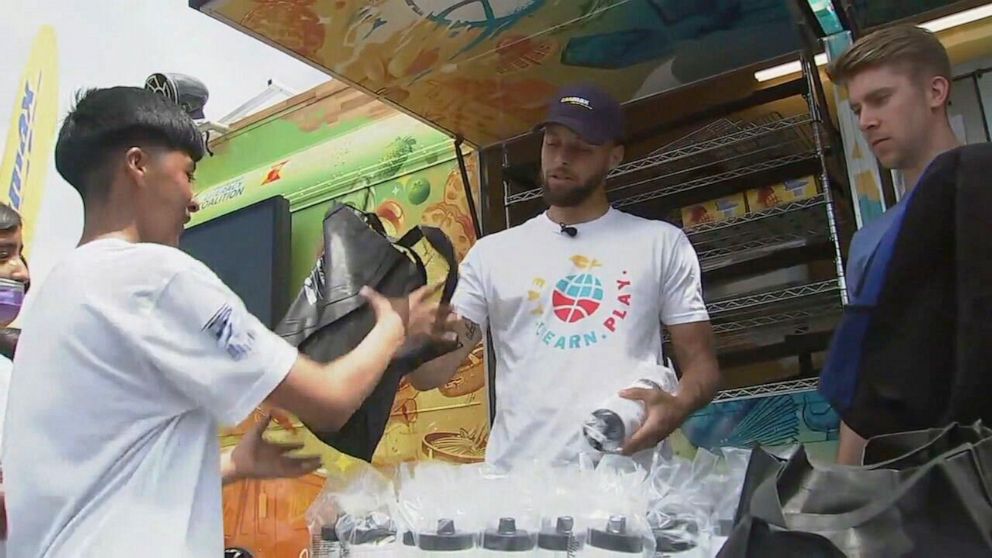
[[561, 542], [506, 540], [615, 541], [616, 419], [327, 544], [446, 542]]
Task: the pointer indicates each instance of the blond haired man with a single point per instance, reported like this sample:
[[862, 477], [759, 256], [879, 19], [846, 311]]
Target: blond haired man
[[898, 81]]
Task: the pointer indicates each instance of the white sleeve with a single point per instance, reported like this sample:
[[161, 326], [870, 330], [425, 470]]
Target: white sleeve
[[469, 300], [203, 341], [681, 285]]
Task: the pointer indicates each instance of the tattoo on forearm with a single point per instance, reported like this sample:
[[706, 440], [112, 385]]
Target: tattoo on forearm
[[472, 331]]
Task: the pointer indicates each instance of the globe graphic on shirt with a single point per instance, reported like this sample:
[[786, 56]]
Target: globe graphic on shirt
[[577, 297]]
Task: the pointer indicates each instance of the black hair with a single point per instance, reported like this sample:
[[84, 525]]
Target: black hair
[[105, 121], [8, 341], [10, 219]]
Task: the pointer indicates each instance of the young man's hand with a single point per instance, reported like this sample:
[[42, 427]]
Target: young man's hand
[[429, 321], [390, 314], [422, 319], [257, 458]]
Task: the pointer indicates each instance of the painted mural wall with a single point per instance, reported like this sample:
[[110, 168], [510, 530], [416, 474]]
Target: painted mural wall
[[486, 68]]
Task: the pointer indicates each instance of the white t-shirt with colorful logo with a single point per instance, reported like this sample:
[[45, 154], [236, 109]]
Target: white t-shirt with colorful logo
[[131, 358], [571, 319]]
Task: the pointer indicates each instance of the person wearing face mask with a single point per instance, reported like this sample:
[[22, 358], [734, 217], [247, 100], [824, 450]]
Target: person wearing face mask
[[578, 295], [898, 82], [14, 280]]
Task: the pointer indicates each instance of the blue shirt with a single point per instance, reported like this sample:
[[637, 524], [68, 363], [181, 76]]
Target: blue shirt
[[863, 246]]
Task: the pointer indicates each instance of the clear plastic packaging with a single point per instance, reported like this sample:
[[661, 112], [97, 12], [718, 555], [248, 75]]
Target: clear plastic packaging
[[408, 545], [370, 535], [615, 419], [357, 505], [327, 544], [618, 525], [560, 540], [446, 541], [505, 539], [693, 501], [509, 506], [566, 503], [615, 540]]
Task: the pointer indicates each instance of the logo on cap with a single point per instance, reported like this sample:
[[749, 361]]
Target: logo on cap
[[578, 101]]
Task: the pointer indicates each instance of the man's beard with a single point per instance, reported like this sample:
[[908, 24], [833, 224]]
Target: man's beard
[[571, 197]]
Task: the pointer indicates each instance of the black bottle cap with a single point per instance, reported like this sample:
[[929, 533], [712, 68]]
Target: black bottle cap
[[328, 533], [562, 538], [446, 538], [615, 537], [373, 528], [611, 429], [507, 537], [675, 535]]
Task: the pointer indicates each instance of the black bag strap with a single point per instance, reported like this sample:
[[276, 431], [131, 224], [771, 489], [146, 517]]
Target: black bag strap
[[443, 246]]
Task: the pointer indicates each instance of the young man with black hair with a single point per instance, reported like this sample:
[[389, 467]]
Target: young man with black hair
[[898, 81], [575, 298], [133, 354]]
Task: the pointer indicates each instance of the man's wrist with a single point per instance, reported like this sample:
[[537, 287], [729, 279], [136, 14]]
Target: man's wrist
[[685, 405], [392, 331]]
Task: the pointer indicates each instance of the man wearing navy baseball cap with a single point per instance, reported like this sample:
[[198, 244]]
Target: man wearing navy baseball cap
[[574, 301]]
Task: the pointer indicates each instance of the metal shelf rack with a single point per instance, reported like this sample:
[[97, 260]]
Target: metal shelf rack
[[745, 320], [765, 390], [754, 147], [799, 223]]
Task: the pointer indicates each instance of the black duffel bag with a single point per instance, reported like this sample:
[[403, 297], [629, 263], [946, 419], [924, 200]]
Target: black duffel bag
[[919, 494], [329, 317]]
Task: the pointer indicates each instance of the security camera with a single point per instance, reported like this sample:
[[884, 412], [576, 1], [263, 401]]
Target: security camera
[[186, 91]]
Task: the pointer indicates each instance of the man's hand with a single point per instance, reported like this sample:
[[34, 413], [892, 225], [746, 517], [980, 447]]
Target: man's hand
[[420, 317], [257, 458], [693, 343], [429, 321], [665, 413], [390, 314]]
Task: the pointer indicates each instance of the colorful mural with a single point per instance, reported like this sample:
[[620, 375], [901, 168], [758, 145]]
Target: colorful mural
[[356, 160], [485, 69], [770, 421]]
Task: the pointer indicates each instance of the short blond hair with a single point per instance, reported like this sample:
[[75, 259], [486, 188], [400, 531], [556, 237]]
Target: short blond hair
[[908, 46]]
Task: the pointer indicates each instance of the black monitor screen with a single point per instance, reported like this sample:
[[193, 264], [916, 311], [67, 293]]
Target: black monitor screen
[[249, 250]]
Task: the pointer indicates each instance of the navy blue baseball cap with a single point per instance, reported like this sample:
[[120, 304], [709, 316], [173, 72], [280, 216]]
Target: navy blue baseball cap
[[588, 111]]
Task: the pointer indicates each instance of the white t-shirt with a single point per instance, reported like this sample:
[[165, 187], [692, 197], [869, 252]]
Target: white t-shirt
[[6, 366], [131, 357], [571, 319]]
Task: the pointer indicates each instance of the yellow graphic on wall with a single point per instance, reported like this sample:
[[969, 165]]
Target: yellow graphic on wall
[[31, 135]]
